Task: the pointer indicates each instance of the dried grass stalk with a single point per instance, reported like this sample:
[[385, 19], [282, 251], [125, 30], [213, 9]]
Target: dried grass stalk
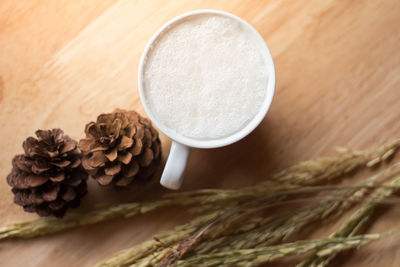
[[324, 170], [305, 173], [257, 256], [351, 227], [234, 230], [143, 250]]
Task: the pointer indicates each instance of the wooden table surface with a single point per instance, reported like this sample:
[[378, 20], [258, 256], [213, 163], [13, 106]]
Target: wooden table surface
[[64, 62]]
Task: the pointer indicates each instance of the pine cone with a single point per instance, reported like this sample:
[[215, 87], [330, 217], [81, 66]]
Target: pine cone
[[49, 178], [120, 148]]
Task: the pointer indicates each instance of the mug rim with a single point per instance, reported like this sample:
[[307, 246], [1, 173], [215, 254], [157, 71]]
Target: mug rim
[[250, 126]]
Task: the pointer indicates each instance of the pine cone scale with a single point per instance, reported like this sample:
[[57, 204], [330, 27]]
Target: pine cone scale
[[146, 158], [97, 159], [26, 198], [76, 163], [126, 143], [68, 147], [61, 164], [147, 138], [36, 169], [130, 131], [112, 154], [115, 128], [100, 147], [86, 144], [157, 150], [137, 149], [58, 177], [139, 133], [56, 205], [69, 194], [21, 180], [42, 211], [124, 181], [113, 169], [92, 130], [44, 136], [125, 157], [131, 170], [50, 194], [86, 166], [21, 163], [105, 179]]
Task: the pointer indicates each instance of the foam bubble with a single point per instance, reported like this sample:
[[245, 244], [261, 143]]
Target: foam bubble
[[205, 77]]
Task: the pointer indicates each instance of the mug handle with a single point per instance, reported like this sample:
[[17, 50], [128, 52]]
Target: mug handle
[[172, 175]]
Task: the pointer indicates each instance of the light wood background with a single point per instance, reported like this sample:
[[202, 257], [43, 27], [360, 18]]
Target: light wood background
[[64, 62]]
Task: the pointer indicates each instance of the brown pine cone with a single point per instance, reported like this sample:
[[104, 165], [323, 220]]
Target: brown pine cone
[[120, 148], [49, 178]]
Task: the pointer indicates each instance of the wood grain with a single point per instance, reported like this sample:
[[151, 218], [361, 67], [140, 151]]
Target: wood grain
[[64, 62]]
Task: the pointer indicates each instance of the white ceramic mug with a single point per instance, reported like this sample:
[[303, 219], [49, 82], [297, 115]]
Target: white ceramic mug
[[180, 148]]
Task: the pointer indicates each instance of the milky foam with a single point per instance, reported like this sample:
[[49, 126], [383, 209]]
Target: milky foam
[[205, 77]]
